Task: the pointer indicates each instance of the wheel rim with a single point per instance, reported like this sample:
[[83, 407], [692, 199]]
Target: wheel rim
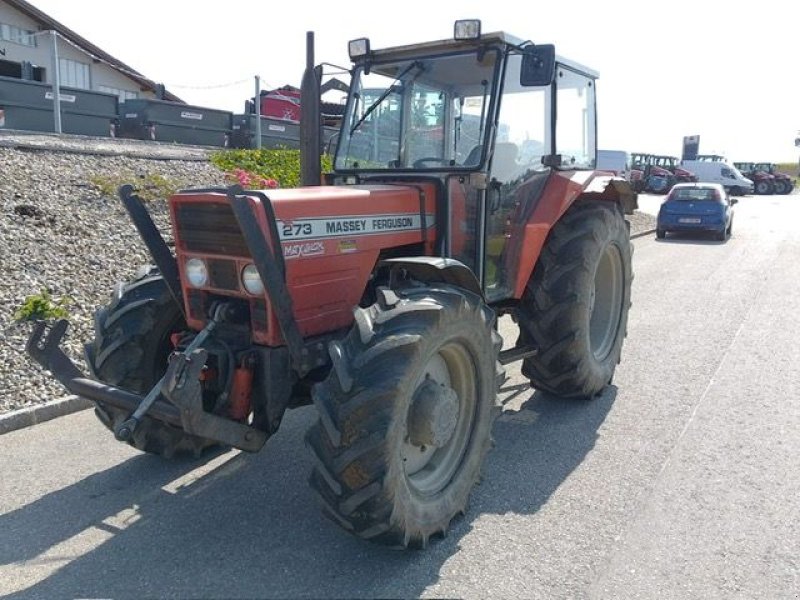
[[606, 302], [428, 468]]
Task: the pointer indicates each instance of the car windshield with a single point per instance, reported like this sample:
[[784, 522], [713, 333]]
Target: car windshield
[[427, 113], [694, 194]]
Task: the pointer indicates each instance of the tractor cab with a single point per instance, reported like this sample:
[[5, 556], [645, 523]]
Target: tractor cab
[[476, 116]]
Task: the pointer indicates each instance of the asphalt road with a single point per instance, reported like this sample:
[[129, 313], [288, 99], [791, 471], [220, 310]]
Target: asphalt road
[[681, 481]]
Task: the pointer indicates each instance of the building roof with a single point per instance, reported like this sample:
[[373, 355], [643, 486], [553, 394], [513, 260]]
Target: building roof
[[47, 22]]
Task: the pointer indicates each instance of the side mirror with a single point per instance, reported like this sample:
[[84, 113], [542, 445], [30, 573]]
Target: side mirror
[[538, 65]]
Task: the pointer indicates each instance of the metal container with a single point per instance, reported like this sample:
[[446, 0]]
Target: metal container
[[163, 121], [28, 105], [275, 133]]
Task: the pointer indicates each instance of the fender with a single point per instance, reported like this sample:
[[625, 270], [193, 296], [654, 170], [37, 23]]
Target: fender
[[435, 269], [562, 191]]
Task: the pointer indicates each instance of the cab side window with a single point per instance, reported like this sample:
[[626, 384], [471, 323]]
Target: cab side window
[[727, 173]]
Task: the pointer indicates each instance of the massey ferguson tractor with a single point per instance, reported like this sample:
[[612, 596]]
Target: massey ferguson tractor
[[376, 297]]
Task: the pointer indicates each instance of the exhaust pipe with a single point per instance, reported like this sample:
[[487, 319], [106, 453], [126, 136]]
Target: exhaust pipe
[[310, 120]]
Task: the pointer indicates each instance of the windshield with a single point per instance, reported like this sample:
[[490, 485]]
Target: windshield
[[428, 113]]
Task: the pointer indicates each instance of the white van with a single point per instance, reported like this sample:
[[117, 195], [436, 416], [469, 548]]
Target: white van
[[617, 161], [723, 173]]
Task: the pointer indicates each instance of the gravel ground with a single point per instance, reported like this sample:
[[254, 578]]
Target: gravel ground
[[57, 232]]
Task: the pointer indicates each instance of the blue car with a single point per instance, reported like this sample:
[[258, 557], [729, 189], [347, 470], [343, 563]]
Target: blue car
[[697, 207]]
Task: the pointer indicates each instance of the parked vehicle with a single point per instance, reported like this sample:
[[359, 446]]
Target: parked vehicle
[[672, 164], [376, 298], [720, 172], [656, 173], [696, 207], [763, 182], [784, 184], [616, 161], [647, 176]]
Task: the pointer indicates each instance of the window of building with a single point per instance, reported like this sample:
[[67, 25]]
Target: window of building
[[123, 94], [74, 73], [12, 33]]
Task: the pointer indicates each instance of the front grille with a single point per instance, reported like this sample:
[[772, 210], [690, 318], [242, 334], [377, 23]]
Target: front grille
[[223, 274], [258, 315], [196, 305], [210, 228]]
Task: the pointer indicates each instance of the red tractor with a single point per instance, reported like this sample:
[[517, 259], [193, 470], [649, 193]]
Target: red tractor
[[376, 298], [764, 182], [656, 173], [784, 184]]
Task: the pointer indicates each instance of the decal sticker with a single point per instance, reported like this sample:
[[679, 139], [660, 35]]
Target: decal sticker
[[331, 227], [303, 249], [191, 115], [346, 246], [276, 127]]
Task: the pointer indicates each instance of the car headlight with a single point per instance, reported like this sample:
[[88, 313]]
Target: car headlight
[[196, 272], [251, 280]]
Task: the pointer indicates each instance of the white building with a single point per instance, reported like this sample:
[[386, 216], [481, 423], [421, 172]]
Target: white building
[[24, 55]]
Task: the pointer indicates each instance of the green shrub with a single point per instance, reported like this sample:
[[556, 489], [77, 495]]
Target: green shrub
[[281, 165], [42, 307], [148, 187]]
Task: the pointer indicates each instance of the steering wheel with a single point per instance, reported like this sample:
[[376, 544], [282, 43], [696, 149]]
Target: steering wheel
[[420, 162]]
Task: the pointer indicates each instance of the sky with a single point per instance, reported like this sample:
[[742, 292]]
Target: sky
[[709, 68]]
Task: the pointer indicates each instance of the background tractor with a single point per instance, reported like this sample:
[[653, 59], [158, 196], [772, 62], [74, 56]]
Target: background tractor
[[763, 181], [657, 173], [456, 197], [784, 184]]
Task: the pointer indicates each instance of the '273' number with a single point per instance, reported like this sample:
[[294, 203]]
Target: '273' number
[[293, 229]]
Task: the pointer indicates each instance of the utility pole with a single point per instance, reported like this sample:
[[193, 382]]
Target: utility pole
[[258, 112], [56, 84]]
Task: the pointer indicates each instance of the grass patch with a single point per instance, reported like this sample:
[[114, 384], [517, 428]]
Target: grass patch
[[148, 187], [41, 307]]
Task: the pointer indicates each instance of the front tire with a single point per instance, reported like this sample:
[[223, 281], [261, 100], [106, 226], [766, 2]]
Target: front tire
[[406, 414], [575, 306], [130, 350]]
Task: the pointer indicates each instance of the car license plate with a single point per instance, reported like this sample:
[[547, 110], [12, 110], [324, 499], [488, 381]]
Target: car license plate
[[689, 220]]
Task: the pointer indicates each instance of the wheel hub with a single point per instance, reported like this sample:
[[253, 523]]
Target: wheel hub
[[433, 416]]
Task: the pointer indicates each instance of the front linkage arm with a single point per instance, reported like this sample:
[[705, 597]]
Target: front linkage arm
[[179, 385]]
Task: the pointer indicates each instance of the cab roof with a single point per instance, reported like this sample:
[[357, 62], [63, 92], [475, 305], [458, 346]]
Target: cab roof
[[409, 51]]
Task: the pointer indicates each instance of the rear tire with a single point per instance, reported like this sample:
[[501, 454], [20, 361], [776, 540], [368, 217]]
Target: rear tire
[[376, 470], [575, 306], [763, 187], [781, 187], [130, 350], [661, 234]]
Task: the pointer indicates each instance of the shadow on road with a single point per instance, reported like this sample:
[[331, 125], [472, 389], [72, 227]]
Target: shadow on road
[[251, 528], [697, 239]]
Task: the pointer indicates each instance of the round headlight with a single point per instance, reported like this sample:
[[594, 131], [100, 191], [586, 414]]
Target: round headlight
[[196, 272], [251, 280]]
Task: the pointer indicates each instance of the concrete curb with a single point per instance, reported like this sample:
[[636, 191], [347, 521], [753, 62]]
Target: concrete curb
[[31, 415], [642, 233]]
